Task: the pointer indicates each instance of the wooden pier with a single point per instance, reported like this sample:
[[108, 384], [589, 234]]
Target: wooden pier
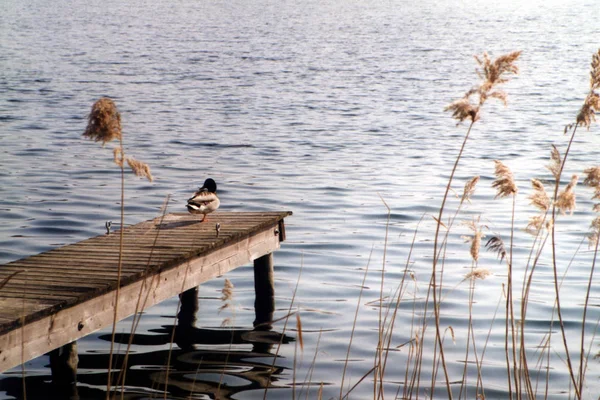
[[56, 297]]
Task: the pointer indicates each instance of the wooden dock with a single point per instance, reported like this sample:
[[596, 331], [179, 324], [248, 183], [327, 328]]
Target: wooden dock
[[56, 297]]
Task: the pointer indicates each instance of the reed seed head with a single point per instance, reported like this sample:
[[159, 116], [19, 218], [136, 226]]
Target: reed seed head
[[496, 245], [539, 198], [594, 232], [478, 273], [462, 110], [592, 177], [492, 74], [591, 105], [555, 162], [504, 183], [104, 122], [475, 240], [226, 294], [537, 223], [140, 168], [566, 199], [469, 189]]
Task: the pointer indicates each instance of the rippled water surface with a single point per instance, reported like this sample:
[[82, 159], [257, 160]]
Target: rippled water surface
[[325, 108]]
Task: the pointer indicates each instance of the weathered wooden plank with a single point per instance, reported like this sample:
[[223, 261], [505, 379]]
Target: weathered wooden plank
[[68, 292]]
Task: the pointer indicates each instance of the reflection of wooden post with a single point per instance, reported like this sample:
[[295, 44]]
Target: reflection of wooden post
[[186, 319], [63, 364], [264, 288]]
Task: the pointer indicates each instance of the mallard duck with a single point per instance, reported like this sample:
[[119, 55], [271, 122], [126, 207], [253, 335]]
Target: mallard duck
[[205, 200]]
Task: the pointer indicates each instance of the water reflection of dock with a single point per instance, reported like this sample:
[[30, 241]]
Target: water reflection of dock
[[54, 298]]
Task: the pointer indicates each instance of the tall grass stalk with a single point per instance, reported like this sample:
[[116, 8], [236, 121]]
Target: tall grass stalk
[[358, 303], [104, 125]]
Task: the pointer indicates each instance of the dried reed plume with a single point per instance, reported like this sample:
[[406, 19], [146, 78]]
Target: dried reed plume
[[478, 273], [594, 233], [226, 294], [592, 180], [591, 105], [555, 162], [462, 109], [537, 222], [496, 245], [504, 183], [140, 168], [104, 122], [566, 199], [475, 240], [539, 198], [469, 189], [492, 74]]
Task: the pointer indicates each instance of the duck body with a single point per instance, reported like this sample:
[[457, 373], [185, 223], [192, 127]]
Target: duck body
[[205, 200]]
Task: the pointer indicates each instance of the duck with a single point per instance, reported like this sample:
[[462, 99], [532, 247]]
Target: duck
[[205, 200]]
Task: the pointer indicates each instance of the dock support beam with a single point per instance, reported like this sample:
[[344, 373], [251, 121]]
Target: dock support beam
[[264, 288], [63, 365]]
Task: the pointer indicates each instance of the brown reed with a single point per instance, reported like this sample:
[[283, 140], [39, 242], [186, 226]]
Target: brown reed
[[140, 168], [566, 200], [104, 122], [505, 182]]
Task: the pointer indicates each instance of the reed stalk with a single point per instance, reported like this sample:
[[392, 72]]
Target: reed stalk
[[358, 302]]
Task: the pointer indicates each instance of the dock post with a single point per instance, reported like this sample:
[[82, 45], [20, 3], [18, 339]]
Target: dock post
[[63, 365], [264, 288]]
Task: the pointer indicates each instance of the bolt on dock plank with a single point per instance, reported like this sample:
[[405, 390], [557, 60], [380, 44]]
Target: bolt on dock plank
[[69, 292]]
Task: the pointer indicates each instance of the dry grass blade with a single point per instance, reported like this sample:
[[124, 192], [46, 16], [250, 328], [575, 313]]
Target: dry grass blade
[[8, 278], [140, 168], [104, 122], [496, 245], [505, 182], [299, 330], [118, 156]]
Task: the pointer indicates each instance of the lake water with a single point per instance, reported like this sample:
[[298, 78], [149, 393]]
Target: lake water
[[323, 108]]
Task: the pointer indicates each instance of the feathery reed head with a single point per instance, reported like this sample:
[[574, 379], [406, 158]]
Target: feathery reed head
[[478, 273], [493, 71], [539, 198], [469, 189], [555, 162], [594, 233], [140, 168], [537, 223], [475, 240], [591, 105], [504, 183], [462, 109], [104, 122], [492, 74], [592, 177], [592, 180], [496, 245], [566, 199], [226, 294]]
